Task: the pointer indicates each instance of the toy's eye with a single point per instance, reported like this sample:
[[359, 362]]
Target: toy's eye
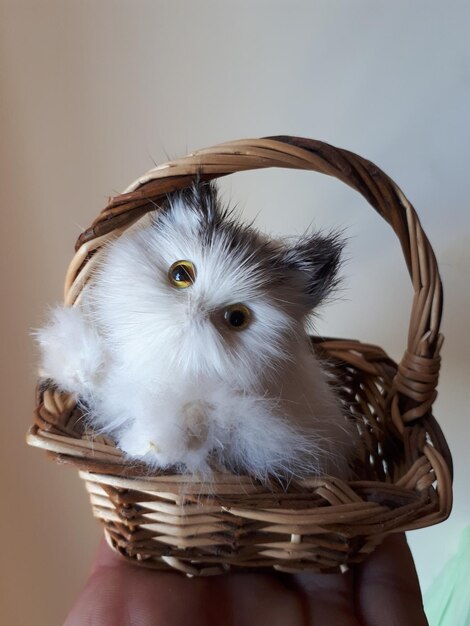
[[237, 316], [182, 274]]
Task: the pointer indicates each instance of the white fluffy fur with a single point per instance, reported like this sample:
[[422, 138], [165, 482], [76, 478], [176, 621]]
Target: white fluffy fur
[[159, 371], [72, 351]]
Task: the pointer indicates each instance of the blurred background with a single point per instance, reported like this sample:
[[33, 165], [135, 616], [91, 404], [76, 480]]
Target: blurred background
[[93, 93]]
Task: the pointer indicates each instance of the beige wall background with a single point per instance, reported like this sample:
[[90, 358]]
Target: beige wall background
[[93, 92]]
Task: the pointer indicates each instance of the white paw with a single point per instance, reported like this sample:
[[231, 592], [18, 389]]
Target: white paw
[[71, 351], [138, 444]]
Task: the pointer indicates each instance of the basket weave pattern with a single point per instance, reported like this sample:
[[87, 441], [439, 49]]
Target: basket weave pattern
[[404, 474]]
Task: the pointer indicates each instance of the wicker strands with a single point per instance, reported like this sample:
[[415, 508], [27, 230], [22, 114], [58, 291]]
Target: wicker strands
[[402, 481]]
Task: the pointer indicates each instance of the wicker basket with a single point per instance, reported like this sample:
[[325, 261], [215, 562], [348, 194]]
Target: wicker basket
[[403, 480]]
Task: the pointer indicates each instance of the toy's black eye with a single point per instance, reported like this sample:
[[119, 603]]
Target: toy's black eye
[[182, 274], [237, 316]]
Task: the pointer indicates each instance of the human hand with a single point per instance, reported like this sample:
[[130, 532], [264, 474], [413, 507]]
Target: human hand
[[382, 591]]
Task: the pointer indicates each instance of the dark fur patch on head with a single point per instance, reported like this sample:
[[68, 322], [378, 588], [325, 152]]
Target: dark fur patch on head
[[202, 198], [311, 264], [218, 221]]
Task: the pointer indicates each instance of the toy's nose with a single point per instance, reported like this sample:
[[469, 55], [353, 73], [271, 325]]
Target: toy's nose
[[195, 424]]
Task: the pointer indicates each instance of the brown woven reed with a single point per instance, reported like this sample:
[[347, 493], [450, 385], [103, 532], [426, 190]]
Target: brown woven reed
[[403, 478]]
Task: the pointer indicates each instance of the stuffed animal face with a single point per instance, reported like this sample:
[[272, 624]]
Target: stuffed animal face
[[198, 293], [189, 345]]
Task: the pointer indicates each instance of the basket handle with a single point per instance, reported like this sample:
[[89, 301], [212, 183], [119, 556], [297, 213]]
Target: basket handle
[[415, 383]]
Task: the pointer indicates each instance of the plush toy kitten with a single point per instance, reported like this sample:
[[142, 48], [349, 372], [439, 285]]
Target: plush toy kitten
[[189, 346]]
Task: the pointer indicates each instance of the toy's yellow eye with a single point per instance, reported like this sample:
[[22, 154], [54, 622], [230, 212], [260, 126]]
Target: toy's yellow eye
[[182, 274], [237, 316]]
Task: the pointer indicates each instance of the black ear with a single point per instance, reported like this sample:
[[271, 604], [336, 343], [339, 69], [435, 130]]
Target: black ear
[[316, 259]]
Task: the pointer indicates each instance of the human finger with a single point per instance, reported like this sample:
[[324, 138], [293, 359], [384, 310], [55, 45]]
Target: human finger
[[121, 594], [329, 598], [386, 587]]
